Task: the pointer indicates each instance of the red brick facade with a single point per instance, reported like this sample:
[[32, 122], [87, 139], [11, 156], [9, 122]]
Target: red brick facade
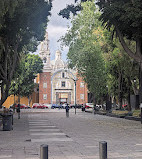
[[81, 92], [45, 87], [63, 88], [45, 90]]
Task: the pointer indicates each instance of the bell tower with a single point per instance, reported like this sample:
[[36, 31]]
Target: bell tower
[[45, 76], [44, 53], [58, 55]]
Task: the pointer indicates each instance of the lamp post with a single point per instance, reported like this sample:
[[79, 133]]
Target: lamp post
[[74, 79], [14, 92], [75, 94], [18, 91]]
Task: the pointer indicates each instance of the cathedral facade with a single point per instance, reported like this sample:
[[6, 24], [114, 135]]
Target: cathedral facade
[[57, 83]]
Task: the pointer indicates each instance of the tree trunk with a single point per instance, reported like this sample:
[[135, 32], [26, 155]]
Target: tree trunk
[[29, 100], [128, 99], [7, 68], [120, 83], [140, 85], [139, 43]]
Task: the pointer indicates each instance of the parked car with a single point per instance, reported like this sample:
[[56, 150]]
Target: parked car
[[37, 106], [64, 105], [79, 106], [89, 105], [48, 105], [22, 106], [99, 106], [45, 106], [114, 105], [54, 106], [125, 106], [72, 106], [28, 107]]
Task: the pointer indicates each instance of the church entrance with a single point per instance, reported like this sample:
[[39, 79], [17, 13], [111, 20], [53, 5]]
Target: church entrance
[[62, 98]]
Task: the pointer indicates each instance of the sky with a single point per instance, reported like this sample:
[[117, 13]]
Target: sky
[[57, 27]]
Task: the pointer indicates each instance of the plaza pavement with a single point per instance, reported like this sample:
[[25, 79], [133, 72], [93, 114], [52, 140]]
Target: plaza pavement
[[73, 137]]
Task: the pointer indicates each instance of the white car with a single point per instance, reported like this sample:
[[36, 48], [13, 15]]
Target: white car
[[48, 105], [89, 105], [64, 105]]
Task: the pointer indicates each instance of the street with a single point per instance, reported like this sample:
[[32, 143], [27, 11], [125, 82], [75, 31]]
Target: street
[[73, 137]]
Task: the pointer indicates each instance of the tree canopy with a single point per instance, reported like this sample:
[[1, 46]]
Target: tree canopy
[[22, 24], [73, 8], [101, 60], [126, 18], [85, 53], [23, 83]]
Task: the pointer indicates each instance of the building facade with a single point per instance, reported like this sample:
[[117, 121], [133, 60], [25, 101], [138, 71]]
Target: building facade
[[57, 83]]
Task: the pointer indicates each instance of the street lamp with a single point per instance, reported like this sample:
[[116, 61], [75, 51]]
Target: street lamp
[[75, 92], [74, 79], [14, 92], [18, 91]]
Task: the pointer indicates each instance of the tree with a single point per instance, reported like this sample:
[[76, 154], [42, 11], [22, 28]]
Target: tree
[[65, 13], [85, 53], [121, 73], [22, 24], [30, 66], [126, 18]]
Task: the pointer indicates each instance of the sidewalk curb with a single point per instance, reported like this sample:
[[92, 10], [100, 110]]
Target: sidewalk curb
[[114, 115], [117, 116], [133, 118]]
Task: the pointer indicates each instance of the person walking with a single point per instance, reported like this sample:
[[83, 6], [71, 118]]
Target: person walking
[[67, 110], [18, 110]]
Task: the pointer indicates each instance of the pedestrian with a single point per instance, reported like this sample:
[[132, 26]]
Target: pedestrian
[[60, 106], [14, 107], [18, 110], [67, 110]]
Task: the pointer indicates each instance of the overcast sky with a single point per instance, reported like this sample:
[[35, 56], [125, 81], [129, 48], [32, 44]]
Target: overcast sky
[[57, 27]]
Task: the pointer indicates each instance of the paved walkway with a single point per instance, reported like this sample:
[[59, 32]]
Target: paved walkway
[[73, 137]]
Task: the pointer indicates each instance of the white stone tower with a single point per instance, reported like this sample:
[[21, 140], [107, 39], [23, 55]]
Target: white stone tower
[[44, 53]]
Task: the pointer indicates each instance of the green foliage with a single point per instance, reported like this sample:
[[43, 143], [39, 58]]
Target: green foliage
[[85, 52], [22, 25], [122, 71], [23, 84], [73, 8], [125, 14], [89, 44]]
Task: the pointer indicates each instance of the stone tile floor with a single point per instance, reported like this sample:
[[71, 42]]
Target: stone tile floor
[[75, 137]]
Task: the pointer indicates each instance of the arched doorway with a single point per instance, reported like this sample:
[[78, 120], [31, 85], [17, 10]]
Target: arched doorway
[[63, 87]]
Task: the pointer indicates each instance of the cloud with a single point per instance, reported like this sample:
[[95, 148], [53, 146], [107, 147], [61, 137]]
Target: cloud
[[57, 27], [56, 31], [54, 34]]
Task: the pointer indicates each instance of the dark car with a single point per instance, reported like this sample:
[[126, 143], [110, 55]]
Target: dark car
[[72, 106], [79, 106], [54, 106]]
